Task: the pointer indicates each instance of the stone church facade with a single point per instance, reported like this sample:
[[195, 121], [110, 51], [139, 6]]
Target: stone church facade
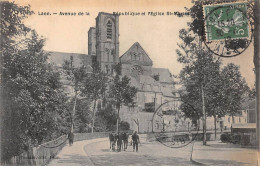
[[155, 85]]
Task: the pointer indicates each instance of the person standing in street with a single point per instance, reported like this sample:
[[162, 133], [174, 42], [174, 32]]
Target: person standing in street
[[125, 140], [135, 140], [71, 138], [119, 141]]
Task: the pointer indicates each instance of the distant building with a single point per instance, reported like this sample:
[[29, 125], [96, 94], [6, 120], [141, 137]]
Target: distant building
[[246, 115], [251, 111], [244, 134], [155, 87]]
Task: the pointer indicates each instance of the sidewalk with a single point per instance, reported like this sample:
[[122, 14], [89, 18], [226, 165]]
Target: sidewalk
[[217, 153], [74, 155]]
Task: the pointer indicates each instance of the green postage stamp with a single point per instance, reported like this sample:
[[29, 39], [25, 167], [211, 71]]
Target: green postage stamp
[[226, 21]]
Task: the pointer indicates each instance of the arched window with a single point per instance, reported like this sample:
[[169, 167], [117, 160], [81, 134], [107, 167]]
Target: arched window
[[140, 56], [135, 56], [109, 30]]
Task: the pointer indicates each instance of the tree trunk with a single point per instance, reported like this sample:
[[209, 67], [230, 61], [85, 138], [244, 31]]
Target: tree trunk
[[204, 117], [257, 68], [93, 118], [203, 103], [215, 124], [232, 119], [117, 120], [198, 125], [74, 111], [138, 128]]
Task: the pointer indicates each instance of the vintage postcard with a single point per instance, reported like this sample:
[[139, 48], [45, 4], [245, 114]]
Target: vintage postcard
[[130, 83]]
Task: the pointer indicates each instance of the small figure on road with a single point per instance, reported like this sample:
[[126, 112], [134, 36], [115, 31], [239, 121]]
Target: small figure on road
[[125, 139], [112, 139], [71, 138], [135, 140], [119, 141]]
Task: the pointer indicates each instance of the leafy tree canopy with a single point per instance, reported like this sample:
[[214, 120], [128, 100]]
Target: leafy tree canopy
[[34, 102]]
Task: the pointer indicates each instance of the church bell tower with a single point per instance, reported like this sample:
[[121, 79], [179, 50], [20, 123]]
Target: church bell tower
[[107, 41]]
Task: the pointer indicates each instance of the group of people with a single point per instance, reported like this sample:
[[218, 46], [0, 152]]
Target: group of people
[[117, 140], [120, 141]]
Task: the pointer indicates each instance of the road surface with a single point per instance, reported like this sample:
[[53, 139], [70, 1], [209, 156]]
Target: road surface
[[97, 152]]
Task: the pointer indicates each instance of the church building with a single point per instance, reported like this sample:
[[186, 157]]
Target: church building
[[155, 85]]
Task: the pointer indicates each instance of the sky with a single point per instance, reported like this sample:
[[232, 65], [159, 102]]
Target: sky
[[158, 35]]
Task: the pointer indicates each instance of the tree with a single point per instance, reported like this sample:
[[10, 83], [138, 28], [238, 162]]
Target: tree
[[233, 88], [124, 125], [196, 13], [222, 90], [252, 93], [122, 93], [199, 72], [83, 116], [12, 26], [75, 76], [94, 88], [109, 115], [33, 105], [215, 107]]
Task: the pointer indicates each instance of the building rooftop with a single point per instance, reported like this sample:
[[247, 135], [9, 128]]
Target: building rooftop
[[244, 125], [164, 75], [58, 58], [136, 48]]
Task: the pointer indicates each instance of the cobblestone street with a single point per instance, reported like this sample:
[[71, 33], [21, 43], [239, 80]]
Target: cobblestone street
[[149, 154]]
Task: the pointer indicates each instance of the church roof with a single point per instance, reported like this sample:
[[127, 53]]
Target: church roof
[[148, 84], [58, 58], [137, 49], [145, 83], [147, 80], [164, 75]]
